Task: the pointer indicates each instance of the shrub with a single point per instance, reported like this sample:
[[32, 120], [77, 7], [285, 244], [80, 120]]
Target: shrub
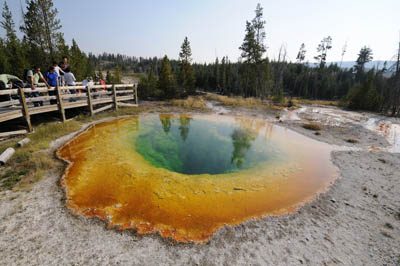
[[312, 126]]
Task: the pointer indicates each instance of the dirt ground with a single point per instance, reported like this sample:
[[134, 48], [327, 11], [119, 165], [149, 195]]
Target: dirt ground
[[356, 222]]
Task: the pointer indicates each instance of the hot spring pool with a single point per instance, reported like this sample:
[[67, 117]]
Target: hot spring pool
[[185, 176]]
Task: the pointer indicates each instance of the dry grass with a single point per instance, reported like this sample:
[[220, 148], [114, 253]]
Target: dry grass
[[299, 101], [238, 101], [312, 126], [31, 161], [386, 234], [190, 103]]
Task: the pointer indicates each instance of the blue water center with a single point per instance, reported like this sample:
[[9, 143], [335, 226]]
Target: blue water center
[[199, 145]]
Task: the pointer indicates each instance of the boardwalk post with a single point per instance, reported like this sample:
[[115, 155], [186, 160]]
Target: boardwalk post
[[60, 103], [115, 97], [89, 95], [25, 111], [136, 98]]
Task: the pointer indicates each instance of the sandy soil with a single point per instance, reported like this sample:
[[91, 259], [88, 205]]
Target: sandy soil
[[356, 222]]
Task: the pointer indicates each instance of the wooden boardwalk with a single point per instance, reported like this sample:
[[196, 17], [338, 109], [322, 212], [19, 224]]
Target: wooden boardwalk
[[60, 98]]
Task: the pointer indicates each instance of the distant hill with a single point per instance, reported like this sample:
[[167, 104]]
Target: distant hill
[[378, 64]]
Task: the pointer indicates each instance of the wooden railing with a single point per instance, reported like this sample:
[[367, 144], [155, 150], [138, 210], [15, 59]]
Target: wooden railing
[[22, 103]]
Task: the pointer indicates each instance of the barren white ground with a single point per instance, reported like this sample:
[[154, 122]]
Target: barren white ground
[[356, 222]]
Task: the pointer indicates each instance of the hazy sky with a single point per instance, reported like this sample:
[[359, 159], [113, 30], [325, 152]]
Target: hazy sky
[[216, 27]]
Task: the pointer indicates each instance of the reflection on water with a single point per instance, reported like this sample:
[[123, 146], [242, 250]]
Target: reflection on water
[[241, 139], [165, 120], [184, 121], [186, 176], [197, 146]]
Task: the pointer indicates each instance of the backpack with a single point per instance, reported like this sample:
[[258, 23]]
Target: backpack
[[26, 70]]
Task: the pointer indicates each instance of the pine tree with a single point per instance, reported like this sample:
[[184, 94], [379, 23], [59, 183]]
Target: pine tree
[[148, 85], [344, 50], [253, 49], [14, 50], [4, 65], [42, 30], [258, 24], [78, 61], [63, 48], [109, 77], [8, 24], [166, 81], [364, 96], [117, 74], [100, 73], [223, 73], [186, 52], [216, 85], [249, 45], [364, 57], [322, 49], [186, 75], [301, 55]]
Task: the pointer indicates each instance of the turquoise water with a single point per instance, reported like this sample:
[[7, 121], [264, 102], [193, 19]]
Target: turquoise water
[[198, 145]]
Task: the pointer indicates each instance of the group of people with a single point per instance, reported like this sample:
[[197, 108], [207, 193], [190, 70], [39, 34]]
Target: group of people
[[58, 75]]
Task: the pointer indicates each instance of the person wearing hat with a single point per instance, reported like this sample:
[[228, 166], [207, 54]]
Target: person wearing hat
[[33, 78], [6, 82]]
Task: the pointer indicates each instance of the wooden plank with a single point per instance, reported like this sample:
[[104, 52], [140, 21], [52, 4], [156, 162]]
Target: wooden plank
[[103, 108], [102, 93], [95, 102], [26, 90], [73, 87], [77, 83], [77, 95], [114, 90], [43, 109], [9, 92], [13, 133], [127, 104], [9, 103], [125, 91], [136, 98], [25, 111], [120, 89], [124, 98], [103, 100], [45, 89], [41, 98], [76, 104], [124, 85], [60, 103], [10, 115], [89, 99]]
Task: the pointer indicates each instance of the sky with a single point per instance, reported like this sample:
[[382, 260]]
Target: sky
[[216, 28]]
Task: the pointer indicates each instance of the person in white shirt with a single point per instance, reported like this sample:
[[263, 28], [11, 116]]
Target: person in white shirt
[[69, 80], [59, 71], [87, 82], [69, 77]]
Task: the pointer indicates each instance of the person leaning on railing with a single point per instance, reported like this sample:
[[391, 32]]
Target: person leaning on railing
[[70, 80], [32, 78], [6, 82], [52, 80]]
